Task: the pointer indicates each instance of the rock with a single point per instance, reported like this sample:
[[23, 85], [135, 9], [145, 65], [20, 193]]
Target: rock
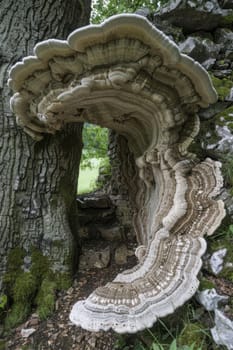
[[222, 73], [121, 254], [228, 200], [143, 11], [225, 144], [229, 55], [112, 233], [216, 260], [224, 38], [33, 322], [193, 16], [173, 32], [200, 49], [89, 216], [222, 333], [94, 259], [226, 4], [208, 64], [230, 96], [213, 110], [97, 201], [27, 332], [83, 232], [210, 299], [222, 65]]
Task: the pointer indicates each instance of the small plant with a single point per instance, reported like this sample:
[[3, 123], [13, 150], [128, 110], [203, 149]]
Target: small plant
[[173, 346]]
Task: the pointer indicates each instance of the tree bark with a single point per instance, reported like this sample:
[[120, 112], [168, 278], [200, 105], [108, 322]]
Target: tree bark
[[38, 179]]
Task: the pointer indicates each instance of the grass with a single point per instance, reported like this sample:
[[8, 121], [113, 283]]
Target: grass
[[87, 179]]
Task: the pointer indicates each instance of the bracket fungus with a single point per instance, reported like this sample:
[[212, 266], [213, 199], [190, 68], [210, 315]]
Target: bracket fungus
[[128, 76]]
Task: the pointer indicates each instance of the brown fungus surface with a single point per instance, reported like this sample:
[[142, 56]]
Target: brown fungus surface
[[128, 76]]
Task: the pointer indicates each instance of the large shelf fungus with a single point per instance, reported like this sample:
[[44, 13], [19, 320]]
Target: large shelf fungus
[[128, 76]]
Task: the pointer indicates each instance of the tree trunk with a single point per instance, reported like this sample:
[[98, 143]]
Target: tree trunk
[[38, 179]]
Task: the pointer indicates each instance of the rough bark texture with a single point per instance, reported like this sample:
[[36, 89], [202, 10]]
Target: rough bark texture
[[38, 180]]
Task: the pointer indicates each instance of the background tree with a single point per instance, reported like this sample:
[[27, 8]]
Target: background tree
[[106, 8], [95, 143]]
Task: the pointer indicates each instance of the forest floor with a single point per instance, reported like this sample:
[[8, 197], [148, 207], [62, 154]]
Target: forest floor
[[58, 332]]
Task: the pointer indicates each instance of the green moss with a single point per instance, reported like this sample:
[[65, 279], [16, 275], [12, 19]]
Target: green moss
[[2, 345], [193, 333], [14, 268], [25, 288], [63, 281], [34, 288], [227, 20], [46, 299], [222, 86], [46, 296], [206, 284], [16, 315], [225, 118], [40, 265]]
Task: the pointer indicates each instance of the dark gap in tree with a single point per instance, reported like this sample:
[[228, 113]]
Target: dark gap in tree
[[104, 210]]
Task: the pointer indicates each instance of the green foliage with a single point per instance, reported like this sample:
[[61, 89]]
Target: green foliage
[[173, 346], [222, 237], [94, 158], [95, 141], [102, 9], [180, 331], [206, 284], [121, 343], [104, 173], [192, 336]]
